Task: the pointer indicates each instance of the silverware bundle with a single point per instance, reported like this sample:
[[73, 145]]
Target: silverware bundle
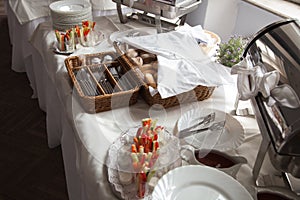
[[127, 81], [204, 125], [101, 78], [88, 82], [88, 85], [203, 121], [114, 73]]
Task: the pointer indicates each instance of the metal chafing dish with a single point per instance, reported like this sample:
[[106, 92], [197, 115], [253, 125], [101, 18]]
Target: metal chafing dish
[[277, 47], [158, 12]]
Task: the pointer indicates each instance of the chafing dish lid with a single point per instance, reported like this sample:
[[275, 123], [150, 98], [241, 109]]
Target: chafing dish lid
[[277, 47]]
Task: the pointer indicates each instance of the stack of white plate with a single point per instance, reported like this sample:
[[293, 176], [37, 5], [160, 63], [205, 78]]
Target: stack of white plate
[[68, 13]]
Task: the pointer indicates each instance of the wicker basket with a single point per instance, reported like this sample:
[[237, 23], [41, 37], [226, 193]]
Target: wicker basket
[[199, 93], [97, 88]]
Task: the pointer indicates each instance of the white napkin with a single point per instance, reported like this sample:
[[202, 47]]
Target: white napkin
[[182, 63], [198, 33], [254, 79]]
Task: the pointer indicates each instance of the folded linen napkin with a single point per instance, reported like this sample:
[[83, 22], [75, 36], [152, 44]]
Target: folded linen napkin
[[254, 79], [182, 63]]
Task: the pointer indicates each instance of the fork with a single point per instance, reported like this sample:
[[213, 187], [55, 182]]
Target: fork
[[205, 120], [214, 127]]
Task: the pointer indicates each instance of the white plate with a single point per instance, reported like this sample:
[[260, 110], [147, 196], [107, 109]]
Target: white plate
[[68, 13], [131, 33], [66, 53], [195, 182], [69, 6], [231, 137]]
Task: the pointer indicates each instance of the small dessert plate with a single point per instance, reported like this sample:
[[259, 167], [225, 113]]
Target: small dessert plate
[[231, 137], [58, 51]]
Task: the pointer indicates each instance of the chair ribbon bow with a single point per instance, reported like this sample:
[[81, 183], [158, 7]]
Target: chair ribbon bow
[[252, 80]]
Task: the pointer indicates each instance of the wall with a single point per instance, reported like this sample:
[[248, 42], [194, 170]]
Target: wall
[[250, 19], [198, 16], [229, 17], [216, 15]]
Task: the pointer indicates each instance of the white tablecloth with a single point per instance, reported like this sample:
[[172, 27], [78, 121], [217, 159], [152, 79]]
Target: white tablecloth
[[28, 10], [21, 49], [23, 18], [85, 138]]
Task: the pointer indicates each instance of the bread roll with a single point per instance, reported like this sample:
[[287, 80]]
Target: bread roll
[[138, 60], [132, 53], [155, 65], [148, 57], [152, 66], [150, 80], [146, 67], [150, 71], [155, 77]]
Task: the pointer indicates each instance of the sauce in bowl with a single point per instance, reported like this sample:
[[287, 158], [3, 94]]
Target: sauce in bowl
[[271, 196], [214, 160]]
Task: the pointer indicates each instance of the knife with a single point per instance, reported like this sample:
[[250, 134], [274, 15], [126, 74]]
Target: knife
[[205, 120], [214, 127]]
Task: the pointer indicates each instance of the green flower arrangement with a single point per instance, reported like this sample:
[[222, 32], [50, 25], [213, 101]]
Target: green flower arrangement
[[230, 53]]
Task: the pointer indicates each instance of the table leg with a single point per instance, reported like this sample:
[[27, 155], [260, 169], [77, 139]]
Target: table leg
[[122, 18], [182, 20], [158, 24], [264, 146]]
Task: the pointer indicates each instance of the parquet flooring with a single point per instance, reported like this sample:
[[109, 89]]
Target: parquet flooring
[[29, 170], [2, 7]]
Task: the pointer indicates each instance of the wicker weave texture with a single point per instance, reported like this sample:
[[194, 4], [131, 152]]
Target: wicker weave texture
[[199, 93], [102, 100]]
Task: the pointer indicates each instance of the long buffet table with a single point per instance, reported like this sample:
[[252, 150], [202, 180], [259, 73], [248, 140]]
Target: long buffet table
[[85, 138], [23, 18]]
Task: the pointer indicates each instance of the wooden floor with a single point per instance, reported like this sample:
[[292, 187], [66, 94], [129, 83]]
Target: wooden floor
[[2, 7], [29, 170]]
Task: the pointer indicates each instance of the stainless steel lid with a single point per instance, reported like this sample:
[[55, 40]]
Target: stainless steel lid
[[277, 47]]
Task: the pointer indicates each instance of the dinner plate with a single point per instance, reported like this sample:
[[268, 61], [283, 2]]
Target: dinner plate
[[131, 33], [66, 53], [66, 14], [195, 182], [231, 137], [70, 19], [70, 6]]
